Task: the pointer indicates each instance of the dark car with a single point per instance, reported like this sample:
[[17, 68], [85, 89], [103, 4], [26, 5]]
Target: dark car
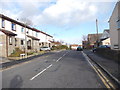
[[104, 46], [79, 49], [101, 46]]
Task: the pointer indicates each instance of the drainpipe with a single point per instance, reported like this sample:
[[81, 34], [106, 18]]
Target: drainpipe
[[6, 45], [25, 42]]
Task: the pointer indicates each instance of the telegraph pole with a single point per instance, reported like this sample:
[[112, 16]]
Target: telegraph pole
[[97, 33]]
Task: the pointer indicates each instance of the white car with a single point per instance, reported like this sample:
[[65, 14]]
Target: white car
[[45, 49]]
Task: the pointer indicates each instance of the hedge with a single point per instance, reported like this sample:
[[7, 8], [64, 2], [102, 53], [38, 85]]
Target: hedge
[[59, 47]]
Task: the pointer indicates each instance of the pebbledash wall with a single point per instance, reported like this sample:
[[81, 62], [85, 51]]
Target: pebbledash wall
[[114, 24], [12, 35]]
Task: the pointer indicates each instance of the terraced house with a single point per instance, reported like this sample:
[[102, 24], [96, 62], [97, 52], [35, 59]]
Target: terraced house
[[45, 39], [16, 34]]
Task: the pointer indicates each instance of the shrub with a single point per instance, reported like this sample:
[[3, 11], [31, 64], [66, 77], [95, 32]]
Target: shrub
[[16, 52], [30, 53], [59, 47]]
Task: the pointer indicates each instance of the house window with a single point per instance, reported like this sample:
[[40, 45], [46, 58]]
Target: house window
[[27, 32], [22, 42], [119, 24], [36, 34], [10, 40], [22, 29], [29, 44], [49, 44], [3, 23], [13, 26], [42, 43]]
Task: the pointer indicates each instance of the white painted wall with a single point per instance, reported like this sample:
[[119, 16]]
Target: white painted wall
[[1, 26], [42, 37], [30, 32], [34, 33], [0, 22], [114, 27], [8, 26], [19, 33], [74, 47]]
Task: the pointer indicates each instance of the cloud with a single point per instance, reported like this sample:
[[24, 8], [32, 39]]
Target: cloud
[[67, 12], [53, 12], [22, 8]]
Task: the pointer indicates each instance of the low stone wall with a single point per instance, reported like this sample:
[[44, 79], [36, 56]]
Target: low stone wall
[[108, 53]]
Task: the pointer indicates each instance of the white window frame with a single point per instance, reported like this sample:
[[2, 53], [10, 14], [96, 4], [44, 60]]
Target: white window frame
[[10, 40], [22, 30], [13, 26], [36, 34], [3, 23]]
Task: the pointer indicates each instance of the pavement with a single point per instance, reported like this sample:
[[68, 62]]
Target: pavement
[[64, 69], [111, 66], [4, 60]]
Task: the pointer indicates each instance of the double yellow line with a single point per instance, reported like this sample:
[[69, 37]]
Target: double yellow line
[[104, 79]]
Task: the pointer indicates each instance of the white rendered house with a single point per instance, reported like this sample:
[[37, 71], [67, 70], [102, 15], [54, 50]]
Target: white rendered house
[[14, 34], [105, 38]]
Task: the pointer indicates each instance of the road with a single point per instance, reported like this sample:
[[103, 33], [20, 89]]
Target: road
[[64, 69]]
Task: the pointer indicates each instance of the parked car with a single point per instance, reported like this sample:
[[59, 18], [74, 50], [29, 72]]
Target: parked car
[[101, 46], [79, 49], [45, 49], [104, 46]]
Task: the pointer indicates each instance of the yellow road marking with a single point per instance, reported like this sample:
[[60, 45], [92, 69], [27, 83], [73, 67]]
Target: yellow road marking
[[104, 79], [101, 78], [107, 80]]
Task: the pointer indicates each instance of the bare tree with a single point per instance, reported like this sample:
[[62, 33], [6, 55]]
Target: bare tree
[[27, 21], [85, 38], [61, 41]]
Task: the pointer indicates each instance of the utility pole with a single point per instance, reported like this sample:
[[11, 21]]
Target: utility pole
[[97, 33]]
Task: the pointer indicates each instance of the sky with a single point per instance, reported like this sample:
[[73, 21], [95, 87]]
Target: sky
[[66, 20]]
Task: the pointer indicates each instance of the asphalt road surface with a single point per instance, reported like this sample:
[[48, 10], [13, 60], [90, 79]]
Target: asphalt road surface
[[65, 69]]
